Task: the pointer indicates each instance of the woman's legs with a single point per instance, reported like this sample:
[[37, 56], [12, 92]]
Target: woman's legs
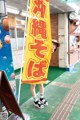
[[37, 103], [33, 91], [41, 90], [42, 99]]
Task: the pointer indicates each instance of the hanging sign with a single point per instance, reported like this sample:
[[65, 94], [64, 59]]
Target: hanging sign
[[38, 43]]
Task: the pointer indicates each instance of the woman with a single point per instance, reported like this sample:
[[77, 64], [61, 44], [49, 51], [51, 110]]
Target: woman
[[41, 102]]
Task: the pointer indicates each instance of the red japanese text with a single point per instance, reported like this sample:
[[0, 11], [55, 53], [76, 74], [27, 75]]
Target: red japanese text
[[39, 27], [39, 7], [38, 48], [36, 69]]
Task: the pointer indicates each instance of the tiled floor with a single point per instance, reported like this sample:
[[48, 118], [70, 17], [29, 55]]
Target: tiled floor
[[63, 96]]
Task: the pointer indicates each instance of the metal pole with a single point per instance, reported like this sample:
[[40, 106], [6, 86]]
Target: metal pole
[[22, 55], [16, 38]]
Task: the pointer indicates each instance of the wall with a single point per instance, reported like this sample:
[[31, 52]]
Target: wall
[[54, 26], [54, 32], [63, 40]]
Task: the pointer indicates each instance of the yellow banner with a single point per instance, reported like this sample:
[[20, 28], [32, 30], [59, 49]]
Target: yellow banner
[[38, 43]]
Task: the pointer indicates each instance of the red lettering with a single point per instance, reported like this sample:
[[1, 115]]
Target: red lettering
[[36, 69], [39, 48], [39, 7], [39, 27]]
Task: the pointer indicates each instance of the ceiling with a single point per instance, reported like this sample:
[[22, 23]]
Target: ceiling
[[56, 6], [62, 6]]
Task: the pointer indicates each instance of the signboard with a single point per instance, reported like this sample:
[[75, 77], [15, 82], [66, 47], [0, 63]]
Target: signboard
[[6, 61], [38, 43], [7, 96], [77, 31]]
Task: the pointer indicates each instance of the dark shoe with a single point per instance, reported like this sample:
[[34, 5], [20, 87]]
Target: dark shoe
[[38, 104], [43, 101]]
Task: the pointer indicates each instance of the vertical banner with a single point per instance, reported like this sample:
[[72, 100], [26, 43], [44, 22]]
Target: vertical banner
[[38, 43], [6, 62]]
